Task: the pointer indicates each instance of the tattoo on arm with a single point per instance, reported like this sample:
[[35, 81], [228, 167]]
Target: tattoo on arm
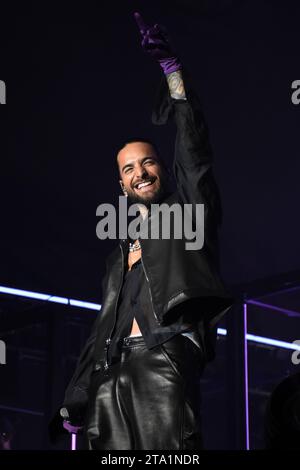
[[176, 85]]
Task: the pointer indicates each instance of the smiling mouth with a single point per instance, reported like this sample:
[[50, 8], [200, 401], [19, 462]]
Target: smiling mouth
[[143, 187]]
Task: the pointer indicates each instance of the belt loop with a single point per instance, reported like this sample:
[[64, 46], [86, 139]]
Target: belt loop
[[126, 341]]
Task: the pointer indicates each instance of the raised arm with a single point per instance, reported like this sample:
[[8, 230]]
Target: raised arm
[[155, 41], [176, 85], [192, 164]]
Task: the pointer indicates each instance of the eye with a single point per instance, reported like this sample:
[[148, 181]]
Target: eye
[[127, 170]]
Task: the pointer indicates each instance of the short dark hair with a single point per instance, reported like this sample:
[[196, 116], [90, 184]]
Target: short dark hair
[[144, 140]]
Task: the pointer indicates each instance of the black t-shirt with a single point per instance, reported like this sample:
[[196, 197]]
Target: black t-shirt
[[135, 302]]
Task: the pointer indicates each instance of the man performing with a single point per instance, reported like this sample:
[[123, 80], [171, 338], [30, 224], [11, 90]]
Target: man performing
[[136, 385]]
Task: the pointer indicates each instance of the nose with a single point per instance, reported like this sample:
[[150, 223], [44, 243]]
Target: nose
[[140, 172]]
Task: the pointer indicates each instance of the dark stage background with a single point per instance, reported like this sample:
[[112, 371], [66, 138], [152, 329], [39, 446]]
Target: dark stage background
[[78, 83]]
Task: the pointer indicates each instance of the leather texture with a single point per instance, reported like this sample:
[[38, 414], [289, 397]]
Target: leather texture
[[149, 400], [178, 280]]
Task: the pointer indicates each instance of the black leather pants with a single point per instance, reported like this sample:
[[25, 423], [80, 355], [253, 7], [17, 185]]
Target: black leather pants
[[149, 400]]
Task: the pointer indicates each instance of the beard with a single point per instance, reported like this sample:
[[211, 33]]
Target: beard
[[154, 198]]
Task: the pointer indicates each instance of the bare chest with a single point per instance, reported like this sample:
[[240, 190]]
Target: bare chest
[[133, 256]]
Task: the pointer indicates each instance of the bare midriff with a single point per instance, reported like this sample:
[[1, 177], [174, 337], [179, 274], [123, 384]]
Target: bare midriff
[[135, 328], [132, 258]]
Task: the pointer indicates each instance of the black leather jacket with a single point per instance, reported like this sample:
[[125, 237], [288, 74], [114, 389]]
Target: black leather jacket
[[175, 275]]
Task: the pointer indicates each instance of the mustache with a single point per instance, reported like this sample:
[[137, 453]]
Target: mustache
[[145, 180]]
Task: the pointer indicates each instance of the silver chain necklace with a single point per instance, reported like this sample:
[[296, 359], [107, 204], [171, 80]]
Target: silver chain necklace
[[134, 246]]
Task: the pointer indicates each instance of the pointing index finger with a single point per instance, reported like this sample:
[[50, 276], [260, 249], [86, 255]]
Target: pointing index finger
[[140, 22]]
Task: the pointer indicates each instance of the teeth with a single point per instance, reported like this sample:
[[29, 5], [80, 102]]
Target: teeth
[[141, 185]]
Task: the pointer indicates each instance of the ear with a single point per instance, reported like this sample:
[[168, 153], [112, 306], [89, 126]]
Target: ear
[[123, 189]]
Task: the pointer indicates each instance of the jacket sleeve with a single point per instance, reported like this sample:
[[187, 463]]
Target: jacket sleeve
[[192, 165], [76, 395]]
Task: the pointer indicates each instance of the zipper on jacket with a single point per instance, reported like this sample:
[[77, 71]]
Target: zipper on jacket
[[151, 298], [108, 340]]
